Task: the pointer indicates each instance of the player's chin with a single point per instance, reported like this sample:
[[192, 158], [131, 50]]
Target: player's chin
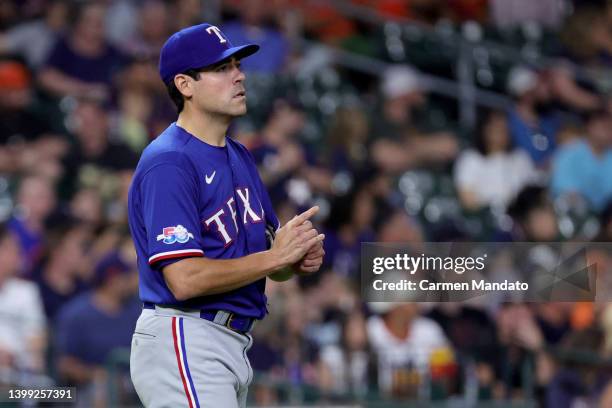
[[238, 108]]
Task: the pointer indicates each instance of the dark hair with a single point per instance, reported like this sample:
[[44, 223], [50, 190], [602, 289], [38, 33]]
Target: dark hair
[[485, 116], [176, 95], [76, 10], [528, 199], [342, 209], [594, 115]]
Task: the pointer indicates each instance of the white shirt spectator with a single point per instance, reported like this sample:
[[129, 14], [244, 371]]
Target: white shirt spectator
[[424, 337], [495, 179], [22, 319]]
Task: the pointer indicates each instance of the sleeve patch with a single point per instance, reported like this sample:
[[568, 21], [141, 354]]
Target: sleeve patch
[[178, 233]]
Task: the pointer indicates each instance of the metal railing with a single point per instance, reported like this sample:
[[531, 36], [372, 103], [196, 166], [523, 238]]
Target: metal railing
[[468, 44], [464, 90]]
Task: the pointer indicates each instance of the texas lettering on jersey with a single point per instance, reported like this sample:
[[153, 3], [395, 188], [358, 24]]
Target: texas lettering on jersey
[[220, 218]]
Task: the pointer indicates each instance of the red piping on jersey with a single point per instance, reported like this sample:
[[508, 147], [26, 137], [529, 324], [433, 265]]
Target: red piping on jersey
[[181, 255]]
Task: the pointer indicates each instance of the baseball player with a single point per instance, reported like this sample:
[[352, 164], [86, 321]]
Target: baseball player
[[206, 235]]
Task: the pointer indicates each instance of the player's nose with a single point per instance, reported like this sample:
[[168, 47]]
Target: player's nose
[[239, 75]]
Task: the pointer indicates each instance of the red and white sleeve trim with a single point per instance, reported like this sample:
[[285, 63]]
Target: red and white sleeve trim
[[181, 253]]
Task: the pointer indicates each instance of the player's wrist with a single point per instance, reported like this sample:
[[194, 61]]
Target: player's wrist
[[274, 261]]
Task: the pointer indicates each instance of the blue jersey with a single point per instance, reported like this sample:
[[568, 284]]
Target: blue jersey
[[192, 199]]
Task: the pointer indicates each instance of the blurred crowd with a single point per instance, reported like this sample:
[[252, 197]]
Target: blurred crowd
[[383, 155]]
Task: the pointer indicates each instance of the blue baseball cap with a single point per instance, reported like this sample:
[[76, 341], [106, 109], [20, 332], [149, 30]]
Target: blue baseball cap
[[197, 47]]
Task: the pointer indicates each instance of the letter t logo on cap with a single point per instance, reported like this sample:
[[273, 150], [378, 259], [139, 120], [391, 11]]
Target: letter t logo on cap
[[213, 29]]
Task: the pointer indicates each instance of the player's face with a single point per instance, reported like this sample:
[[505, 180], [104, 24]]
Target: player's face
[[220, 89]]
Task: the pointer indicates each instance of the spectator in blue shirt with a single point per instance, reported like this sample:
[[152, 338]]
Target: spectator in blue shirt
[[584, 167], [93, 325], [251, 27], [61, 274], [83, 64], [533, 124]]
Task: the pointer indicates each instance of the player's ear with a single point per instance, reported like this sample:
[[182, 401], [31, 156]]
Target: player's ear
[[184, 85]]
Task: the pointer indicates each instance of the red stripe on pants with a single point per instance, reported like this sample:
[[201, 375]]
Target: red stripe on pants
[[178, 360]]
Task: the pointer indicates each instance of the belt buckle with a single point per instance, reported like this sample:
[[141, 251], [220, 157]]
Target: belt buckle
[[229, 322]]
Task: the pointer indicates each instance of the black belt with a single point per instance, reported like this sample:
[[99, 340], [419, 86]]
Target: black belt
[[232, 321]]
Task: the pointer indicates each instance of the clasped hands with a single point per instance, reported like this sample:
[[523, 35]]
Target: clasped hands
[[299, 245]]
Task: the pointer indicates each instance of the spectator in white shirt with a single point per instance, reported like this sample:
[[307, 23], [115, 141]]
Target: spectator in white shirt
[[403, 342], [22, 321], [493, 172]]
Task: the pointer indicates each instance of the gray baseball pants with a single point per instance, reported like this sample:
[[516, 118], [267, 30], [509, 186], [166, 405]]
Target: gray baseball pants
[[181, 360]]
